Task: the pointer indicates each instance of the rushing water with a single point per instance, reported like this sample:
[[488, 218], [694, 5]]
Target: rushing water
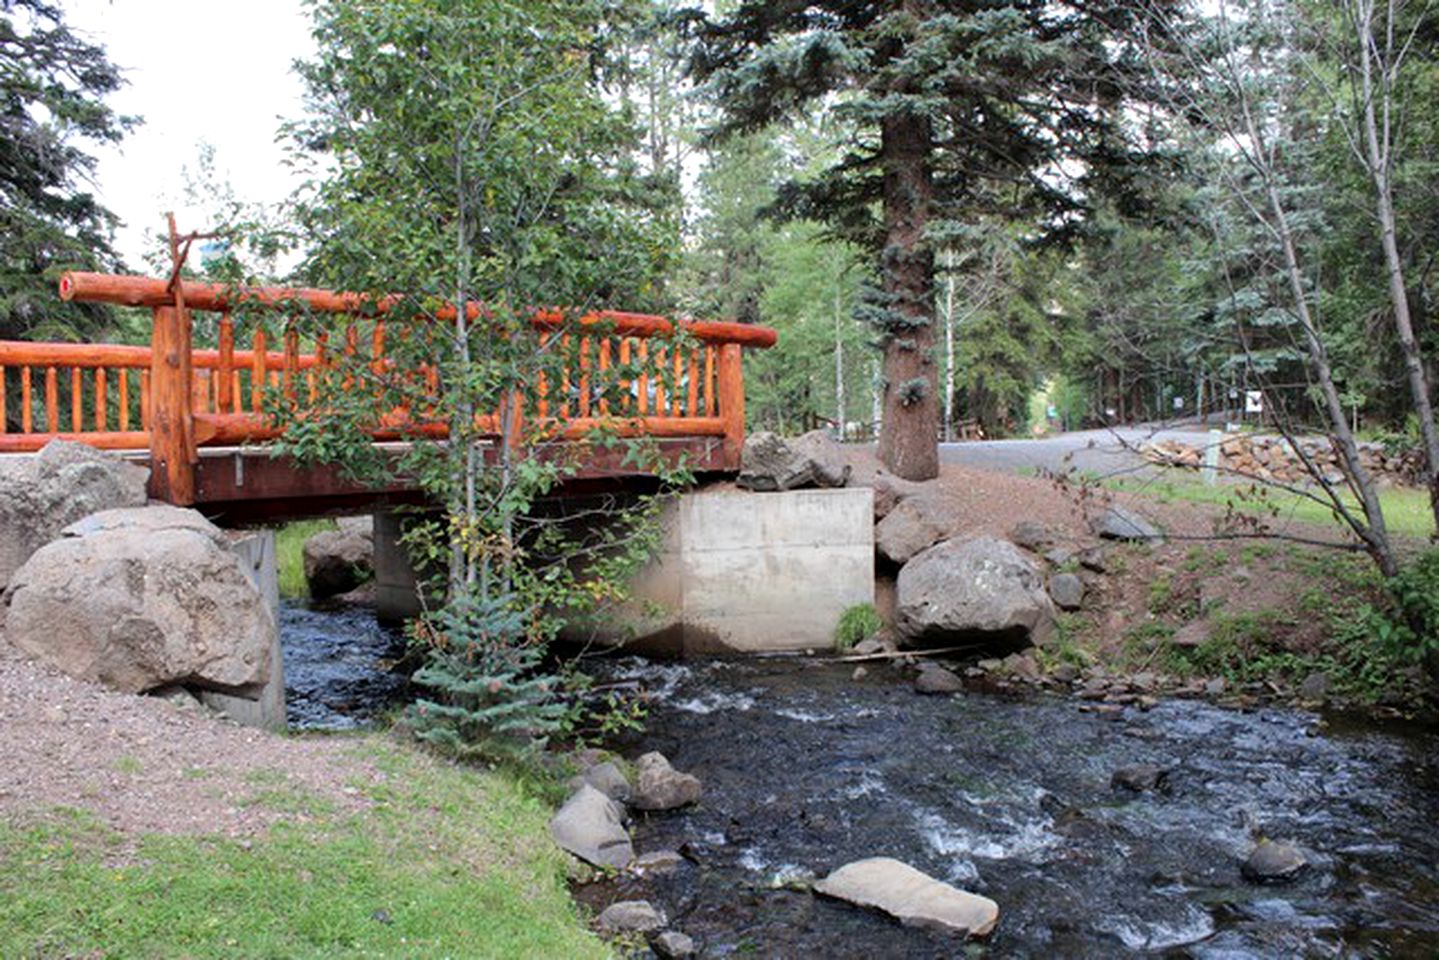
[[806, 769], [337, 660]]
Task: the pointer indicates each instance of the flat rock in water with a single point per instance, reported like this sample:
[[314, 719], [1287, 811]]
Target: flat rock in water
[[659, 786], [936, 679], [1273, 862], [631, 916], [673, 945], [590, 826], [1121, 523], [914, 898]]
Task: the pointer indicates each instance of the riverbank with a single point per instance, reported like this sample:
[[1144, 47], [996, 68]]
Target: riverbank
[[137, 826]]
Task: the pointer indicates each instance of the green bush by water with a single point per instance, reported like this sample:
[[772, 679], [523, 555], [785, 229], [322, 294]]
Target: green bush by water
[[857, 623]]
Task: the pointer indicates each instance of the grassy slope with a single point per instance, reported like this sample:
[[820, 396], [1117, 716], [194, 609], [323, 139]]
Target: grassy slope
[[1406, 511], [447, 863]]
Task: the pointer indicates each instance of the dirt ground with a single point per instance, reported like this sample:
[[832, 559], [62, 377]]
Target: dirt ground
[[148, 765]]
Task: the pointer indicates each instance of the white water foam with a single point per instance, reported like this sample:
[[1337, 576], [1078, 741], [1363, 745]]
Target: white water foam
[[803, 716], [1004, 840], [1138, 934], [710, 702]]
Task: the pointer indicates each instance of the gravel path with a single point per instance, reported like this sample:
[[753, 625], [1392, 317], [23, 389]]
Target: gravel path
[[143, 764]]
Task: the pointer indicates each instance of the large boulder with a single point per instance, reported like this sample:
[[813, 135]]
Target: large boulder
[[591, 826], [913, 525], [41, 495], [338, 561], [914, 898], [140, 598], [962, 591], [770, 463]]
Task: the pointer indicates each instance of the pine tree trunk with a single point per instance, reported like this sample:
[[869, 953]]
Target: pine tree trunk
[[909, 436]]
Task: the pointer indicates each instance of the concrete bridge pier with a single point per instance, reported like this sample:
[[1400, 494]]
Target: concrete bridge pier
[[736, 573], [397, 591], [262, 706]]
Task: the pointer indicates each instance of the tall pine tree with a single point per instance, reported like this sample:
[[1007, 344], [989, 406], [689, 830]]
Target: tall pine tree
[[953, 110]]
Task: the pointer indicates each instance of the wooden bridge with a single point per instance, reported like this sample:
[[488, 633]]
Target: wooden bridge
[[198, 413]]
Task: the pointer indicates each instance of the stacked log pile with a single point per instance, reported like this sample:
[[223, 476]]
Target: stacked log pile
[[1275, 458]]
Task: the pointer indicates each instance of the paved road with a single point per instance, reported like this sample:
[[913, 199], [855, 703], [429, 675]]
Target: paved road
[[1105, 452]]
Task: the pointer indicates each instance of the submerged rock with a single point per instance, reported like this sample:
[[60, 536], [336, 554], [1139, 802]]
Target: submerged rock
[[591, 826], [1121, 523], [1273, 862], [912, 897], [960, 591], [657, 861], [1140, 777], [660, 786], [631, 916]]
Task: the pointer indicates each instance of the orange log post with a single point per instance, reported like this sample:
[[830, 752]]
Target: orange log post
[[731, 403], [172, 428]]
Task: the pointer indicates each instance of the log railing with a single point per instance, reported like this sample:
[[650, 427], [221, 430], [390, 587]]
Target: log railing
[[629, 373]]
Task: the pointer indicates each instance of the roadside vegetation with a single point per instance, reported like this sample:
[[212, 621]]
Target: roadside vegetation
[[447, 862]]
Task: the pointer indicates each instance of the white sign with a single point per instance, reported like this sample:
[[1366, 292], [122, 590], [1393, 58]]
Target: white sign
[[1253, 401], [1179, 403]]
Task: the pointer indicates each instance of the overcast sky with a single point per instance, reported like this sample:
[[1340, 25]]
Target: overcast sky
[[214, 71]]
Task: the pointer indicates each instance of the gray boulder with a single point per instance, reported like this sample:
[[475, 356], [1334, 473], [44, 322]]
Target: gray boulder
[[591, 826], [673, 945], [140, 598], [914, 898], [934, 679], [1067, 591], [771, 463], [959, 591], [659, 786], [1031, 535], [41, 495], [607, 779], [1121, 523], [1273, 862], [913, 525], [631, 916], [337, 562]]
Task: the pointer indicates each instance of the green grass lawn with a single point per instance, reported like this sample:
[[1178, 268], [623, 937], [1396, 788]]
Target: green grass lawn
[[1406, 510], [448, 863]]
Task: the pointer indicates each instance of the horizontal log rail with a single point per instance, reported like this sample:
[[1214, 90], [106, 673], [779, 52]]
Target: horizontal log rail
[[631, 375]]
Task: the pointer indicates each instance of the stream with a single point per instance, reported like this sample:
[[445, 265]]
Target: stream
[[806, 769], [337, 659]]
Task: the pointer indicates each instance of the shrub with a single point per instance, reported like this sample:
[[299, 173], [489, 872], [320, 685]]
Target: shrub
[[857, 623]]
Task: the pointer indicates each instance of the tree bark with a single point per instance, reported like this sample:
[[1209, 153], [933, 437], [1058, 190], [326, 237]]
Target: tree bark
[[909, 435], [1378, 156]]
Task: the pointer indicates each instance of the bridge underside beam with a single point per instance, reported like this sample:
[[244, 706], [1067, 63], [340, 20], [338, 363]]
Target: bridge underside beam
[[239, 486]]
